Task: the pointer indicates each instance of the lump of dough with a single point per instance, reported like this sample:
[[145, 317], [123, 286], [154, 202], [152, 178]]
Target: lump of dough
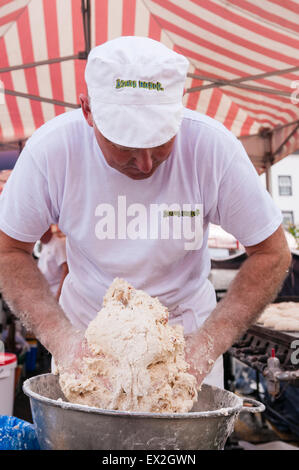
[[283, 316], [137, 361], [287, 324]]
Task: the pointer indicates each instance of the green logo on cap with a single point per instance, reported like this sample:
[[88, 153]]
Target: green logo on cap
[[141, 84]]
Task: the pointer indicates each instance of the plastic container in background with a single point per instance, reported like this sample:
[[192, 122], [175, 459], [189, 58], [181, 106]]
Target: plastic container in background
[[30, 359], [8, 363], [16, 434]]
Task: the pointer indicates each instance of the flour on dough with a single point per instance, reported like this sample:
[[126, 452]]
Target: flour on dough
[[138, 361]]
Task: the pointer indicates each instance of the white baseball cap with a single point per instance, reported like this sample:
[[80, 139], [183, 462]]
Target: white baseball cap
[[136, 86]]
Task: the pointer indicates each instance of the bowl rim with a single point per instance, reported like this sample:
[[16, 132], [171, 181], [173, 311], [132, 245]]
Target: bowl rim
[[225, 412]]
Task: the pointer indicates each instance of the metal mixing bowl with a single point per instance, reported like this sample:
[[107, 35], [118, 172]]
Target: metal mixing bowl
[[63, 425]]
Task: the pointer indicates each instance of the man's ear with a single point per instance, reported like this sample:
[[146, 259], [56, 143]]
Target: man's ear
[[84, 101]]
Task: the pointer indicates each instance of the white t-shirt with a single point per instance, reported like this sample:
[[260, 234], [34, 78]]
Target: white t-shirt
[[62, 177], [51, 259]]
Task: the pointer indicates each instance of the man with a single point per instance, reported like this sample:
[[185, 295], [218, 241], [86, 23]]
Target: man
[[133, 181]]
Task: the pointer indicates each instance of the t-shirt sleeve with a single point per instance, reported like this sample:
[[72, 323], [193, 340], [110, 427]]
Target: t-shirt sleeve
[[26, 209], [60, 251], [244, 207]]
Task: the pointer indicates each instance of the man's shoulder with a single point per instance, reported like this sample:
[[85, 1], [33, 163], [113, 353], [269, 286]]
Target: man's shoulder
[[198, 122], [208, 142], [57, 129]]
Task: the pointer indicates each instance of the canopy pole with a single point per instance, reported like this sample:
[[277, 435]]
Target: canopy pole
[[20, 144], [40, 98], [268, 174], [278, 150], [282, 126], [217, 82], [41, 62], [85, 8], [222, 83], [268, 158], [13, 144]]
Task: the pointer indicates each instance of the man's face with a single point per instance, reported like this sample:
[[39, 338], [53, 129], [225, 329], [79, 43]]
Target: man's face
[[137, 164]]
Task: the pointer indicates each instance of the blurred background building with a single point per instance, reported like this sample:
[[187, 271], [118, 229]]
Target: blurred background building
[[284, 187]]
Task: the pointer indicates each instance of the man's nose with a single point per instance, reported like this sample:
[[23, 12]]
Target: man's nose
[[144, 160]]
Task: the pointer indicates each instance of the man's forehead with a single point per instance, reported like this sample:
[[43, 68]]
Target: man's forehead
[[121, 147]]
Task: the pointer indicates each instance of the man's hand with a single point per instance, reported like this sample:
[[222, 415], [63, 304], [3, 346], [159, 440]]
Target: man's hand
[[199, 354], [255, 286], [69, 356], [75, 359]]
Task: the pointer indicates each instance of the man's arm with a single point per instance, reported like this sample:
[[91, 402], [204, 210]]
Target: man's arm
[[27, 293], [256, 284]]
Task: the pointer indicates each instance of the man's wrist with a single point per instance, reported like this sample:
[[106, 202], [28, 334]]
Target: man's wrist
[[57, 337], [201, 352]]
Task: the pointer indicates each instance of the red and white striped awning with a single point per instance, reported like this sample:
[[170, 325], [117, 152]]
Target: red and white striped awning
[[244, 61]]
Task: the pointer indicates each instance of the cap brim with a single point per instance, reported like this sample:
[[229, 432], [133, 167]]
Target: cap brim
[[137, 126]]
